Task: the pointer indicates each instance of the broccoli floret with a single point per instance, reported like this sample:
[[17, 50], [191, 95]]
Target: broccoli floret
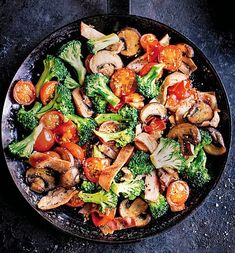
[[88, 186], [126, 114], [140, 163], [24, 148], [85, 127], [118, 176], [129, 190], [159, 208], [168, 154], [102, 198], [197, 172], [71, 53], [62, 102], [28, 119], [99, 104], [97, 85], [147, 85], [70, 83], [122, 138], [97, 44], [53, 68]]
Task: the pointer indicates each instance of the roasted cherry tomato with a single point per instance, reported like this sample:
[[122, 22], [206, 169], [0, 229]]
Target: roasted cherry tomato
[[153, 51], [177, 194], [101, 219], [52, 119], [172, 57], [147, 39], [135, 100], [47, 91], [181, 90], [87, 63], [45, 141], [75, 150], [53, 154], [24, 92], [93, 167], [67, 132], [123, 82], [116, 108], [75, 201], [156, 124]]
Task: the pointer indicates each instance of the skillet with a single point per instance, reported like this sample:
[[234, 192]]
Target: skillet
[[205, 79]]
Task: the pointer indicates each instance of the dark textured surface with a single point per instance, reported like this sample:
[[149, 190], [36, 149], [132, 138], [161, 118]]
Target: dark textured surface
[[23, 25]]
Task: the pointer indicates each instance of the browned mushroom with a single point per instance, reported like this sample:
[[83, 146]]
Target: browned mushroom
[[137, 64], [217, 147], [186, 49], [186, 134], [40, 179], [81, 108], [145, 142], [153, 109], [131, 39], [188, 66], [69, 178], [109, 150], [116, 48], [166, 176], [137, 207], [105, 62], [165, 41], [56, 198]]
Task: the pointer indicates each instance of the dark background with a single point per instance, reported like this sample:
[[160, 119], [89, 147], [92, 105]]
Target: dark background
[[23, 24]]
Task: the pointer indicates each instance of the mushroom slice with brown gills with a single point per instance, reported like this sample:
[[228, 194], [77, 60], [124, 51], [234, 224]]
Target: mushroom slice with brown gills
[[187, 135], [69, 178], [116, 48], [40, 179], [105, 62], [219, 148], [153, 109], [137, 207], [42, 160], [137, 64], [81, 108], [56, 198], [145, 142], [89, 32], [131, 38], [109, 150]]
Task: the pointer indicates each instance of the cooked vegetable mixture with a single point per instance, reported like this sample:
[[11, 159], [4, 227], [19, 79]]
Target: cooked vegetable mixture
[[121, 144]]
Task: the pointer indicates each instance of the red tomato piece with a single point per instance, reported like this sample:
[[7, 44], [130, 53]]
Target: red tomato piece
[[66, 132], [24, 92], [116, 108], [47, 91], [181, 90], [147, 39], [75, 150], [53, 154], [52, 119], [156, 124], [101, 219], [45, 141], [75, 201]]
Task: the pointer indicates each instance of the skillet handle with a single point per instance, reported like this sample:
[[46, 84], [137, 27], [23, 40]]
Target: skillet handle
[[121, 7]]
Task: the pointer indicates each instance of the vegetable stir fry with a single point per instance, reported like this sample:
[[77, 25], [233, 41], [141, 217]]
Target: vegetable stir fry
[[122, 144]]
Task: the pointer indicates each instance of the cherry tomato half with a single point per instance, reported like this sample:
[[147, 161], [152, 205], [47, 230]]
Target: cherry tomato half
[[177, 194], [53, 154], [24, 92], [93, 167], [75, 201], [116, 108], [135, 100], [47, 91], [181, 90], [123, 82], [75, 150], [45, 141], [147, 40], [101, 219], [66, 132], [52, 119], [156, 124]]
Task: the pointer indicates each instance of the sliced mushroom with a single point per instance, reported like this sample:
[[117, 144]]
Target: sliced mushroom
[[128, 176], [187, 135], [199, 113], [145, 142], [131, 38], [188, 66], [166, 176], [151, 191], [105, 62], [40, 179], [81, 108], [153, 109], [181, 112], [70, 178], [137, 207], [137, 64], [56, 198], [165, 41], [109, 150], [214, 122], [89, 32], [138, 129], [170, 80], [209, 98], [42, 160], [116, 48], [217, 137], [186, 49]]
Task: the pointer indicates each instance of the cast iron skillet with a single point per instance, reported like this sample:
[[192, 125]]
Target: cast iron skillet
[[205, 79]]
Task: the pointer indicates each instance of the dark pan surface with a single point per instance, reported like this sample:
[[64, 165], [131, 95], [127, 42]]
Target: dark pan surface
[[205, 79]]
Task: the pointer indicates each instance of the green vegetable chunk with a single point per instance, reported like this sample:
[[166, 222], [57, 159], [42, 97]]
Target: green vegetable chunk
[[88, 186], [159, 208]]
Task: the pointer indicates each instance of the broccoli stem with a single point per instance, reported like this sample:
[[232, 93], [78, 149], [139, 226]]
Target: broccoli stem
[[108, 95], [45, 77], [108, 116]]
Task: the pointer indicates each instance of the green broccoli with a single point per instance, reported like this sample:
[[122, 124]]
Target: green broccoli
[[88, 186], [28, 119], [126, 114], [62, 102], [140, 163], [97, 85], [129, 190], [97, 44], [99, 104], [53, 68], [70, 83], [122, 138], [168, 154], [71, 53], [147, 85], [24, 148], [85, 127], [102, 198], [159, 208]]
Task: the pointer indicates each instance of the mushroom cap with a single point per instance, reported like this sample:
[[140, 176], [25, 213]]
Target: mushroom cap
[[152, 109]]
